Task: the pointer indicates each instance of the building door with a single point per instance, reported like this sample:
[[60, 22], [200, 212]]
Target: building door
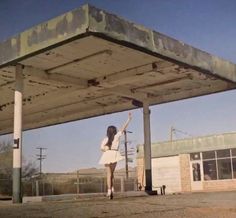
[[166, 171], [196, 175]]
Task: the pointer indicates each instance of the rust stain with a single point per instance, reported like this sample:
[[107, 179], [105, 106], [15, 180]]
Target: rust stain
[[163, 83], [101, 104], [93, 82], [33, 97], [38, 83], [6, 83], [5, 105], [6, 76], [107, 51]]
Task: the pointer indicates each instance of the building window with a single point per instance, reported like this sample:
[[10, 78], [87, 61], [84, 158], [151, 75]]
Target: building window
[[233, 152], [195, 156], [208, 155], [219, 164], [223, 153], [224, 168], [209, 168], [234, 167]]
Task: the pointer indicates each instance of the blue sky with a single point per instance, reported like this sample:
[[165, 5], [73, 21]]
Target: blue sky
[[205, 24]]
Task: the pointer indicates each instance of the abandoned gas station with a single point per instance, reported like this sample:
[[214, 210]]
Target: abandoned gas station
[[88, 63]]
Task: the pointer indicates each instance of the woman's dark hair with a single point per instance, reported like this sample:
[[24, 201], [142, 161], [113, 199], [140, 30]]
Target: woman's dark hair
[[111, 132]]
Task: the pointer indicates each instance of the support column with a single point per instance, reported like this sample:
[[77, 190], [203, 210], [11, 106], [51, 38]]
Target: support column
[[147, 147], [17, 148], [126, 157]]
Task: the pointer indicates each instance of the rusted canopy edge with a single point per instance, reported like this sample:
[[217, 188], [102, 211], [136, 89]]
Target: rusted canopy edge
[[88, 20], [45, 36], [116, 28]]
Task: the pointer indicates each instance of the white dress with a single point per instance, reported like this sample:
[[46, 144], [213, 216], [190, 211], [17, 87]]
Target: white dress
[[113, 155]]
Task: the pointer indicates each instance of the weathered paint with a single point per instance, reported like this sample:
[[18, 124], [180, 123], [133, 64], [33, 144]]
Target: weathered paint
[[119, 29], [191, 56], [10, 49], [44, 36], [140, 37], [91, 20]]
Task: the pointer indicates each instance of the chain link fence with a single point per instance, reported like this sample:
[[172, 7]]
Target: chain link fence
[[56, 184], [91, 184]]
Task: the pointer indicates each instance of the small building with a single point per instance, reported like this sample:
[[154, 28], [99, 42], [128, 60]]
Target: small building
[[197, 164]]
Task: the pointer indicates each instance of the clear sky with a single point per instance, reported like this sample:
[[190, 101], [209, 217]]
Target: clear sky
[[206, 24]]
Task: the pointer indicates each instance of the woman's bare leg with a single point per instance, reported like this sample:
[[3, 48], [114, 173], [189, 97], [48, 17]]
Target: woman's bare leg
[[113, 167], [109, 176]]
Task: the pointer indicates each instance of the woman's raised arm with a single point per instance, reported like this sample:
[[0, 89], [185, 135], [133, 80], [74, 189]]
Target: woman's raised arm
[[126, 123]]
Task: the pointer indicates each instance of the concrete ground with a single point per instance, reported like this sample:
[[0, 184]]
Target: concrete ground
[[202, 205]]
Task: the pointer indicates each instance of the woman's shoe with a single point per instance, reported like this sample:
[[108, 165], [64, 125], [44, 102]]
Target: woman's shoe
[[111, 196], [112, 189], [109, 192]]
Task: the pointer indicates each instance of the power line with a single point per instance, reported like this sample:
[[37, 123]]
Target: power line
[[173, 130], [185, 133]]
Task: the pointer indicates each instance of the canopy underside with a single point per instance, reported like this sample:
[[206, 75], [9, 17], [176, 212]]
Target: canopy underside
[[92, 75]]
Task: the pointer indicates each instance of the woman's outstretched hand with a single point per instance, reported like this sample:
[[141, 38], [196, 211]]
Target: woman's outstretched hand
[[127, 123], [130, 116]]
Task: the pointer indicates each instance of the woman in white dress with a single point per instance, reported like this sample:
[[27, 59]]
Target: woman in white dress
[[111, 154]]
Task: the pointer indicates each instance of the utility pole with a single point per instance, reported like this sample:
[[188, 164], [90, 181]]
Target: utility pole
[[172, 129], [41, 157], [126, 154]]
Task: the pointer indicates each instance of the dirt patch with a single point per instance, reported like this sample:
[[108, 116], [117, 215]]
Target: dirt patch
[[200, 205]]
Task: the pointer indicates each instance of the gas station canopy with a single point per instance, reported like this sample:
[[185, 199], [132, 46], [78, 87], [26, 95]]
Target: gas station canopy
[[88, 62]]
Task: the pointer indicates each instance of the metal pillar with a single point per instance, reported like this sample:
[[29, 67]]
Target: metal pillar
[[147, 147], [17, 148], [126, 156]]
